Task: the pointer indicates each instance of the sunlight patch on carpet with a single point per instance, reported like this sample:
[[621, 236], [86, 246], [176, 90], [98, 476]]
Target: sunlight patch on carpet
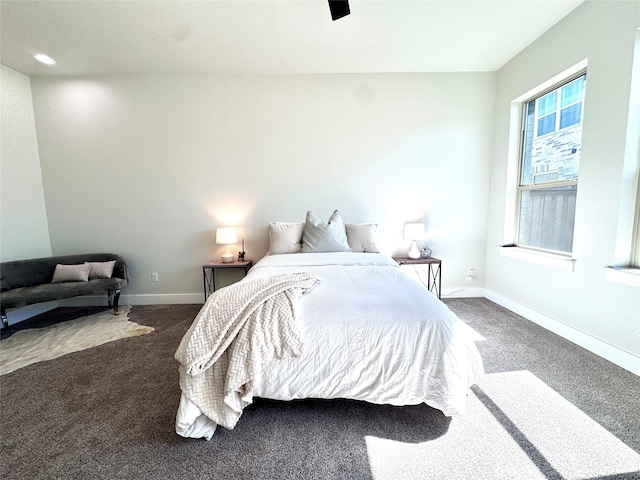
[[40, 344], [530, 431], [470, 332]]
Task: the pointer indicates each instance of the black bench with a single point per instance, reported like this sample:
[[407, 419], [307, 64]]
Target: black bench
[[27, 282]]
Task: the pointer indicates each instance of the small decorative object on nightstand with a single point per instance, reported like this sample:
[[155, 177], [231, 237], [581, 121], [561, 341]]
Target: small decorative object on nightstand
[[241, 254], [209, 273], [434, 279]]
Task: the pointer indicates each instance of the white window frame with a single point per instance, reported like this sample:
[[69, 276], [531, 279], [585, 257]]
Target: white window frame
[[542, 185], [634, 254], [633, 149], [635, 250], [509, 248], [624, 266]]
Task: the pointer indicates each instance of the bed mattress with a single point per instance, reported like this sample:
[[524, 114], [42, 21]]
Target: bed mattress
[[371, 332]]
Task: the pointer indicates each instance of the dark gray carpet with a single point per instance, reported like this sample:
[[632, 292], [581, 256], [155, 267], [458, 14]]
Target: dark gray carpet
[[607, 393], [108, 412]]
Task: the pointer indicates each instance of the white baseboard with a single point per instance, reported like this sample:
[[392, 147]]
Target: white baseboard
[[162, 299], [462, 292], [620, 357]]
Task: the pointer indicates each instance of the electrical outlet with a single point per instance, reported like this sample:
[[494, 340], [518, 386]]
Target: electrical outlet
[[154, 277], [471, 273]]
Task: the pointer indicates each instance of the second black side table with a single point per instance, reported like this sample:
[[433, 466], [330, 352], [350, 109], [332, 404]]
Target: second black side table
[[434, 279], [209, 273]]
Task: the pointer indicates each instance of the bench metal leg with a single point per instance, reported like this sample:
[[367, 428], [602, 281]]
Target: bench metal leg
[[113, 297]]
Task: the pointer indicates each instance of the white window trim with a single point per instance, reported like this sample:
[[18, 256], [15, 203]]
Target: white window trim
[[553, 260], [625, 264], [632, 148], [635, 249], [627, 276]]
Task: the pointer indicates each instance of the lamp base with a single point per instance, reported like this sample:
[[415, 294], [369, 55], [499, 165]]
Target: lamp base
[[227, 258], [414, 253]]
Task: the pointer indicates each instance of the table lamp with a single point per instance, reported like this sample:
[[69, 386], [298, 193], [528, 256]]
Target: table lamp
[[226, 236], [413, 232]]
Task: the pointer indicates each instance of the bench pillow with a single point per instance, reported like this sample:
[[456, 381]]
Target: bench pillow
[[71, 273], [101, 269]]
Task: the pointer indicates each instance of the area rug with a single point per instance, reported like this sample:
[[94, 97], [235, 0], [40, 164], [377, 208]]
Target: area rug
[[40, 344]]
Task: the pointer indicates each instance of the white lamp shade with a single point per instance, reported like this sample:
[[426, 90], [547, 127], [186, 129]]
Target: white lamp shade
[[414, 231], [226, 236]]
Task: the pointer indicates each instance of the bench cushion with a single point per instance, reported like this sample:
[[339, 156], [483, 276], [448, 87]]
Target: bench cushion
[[57, 291]]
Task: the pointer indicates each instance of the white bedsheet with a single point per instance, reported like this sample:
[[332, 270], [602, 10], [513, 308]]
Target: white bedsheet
[[370, 333]]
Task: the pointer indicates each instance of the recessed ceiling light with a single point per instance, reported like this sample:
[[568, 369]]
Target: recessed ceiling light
[[41, 57]]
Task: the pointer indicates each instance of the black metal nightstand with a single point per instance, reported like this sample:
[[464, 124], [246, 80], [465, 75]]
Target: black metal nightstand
[[209, 273], [434, 279]]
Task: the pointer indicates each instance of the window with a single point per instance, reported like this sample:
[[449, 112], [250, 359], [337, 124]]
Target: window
[[550, 157]]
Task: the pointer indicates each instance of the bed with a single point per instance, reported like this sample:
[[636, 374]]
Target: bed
[[363, 328]]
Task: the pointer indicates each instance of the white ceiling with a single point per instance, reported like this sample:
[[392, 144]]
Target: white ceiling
[[270, 37]]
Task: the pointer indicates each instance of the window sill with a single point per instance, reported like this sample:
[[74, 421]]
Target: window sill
[[626, 275], [559, 262]]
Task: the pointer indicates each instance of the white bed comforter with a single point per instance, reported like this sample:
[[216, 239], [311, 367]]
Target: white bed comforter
[[370, 333]]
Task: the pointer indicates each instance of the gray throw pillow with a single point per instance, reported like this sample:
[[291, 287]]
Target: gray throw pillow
[[101, 269], [318, 236], [71, 273]]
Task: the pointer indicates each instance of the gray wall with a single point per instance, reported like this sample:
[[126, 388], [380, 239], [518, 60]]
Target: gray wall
[[584, 300], [149, 166], [24, 231]]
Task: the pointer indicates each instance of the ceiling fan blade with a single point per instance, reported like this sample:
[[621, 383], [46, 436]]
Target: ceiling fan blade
[[339, 8]]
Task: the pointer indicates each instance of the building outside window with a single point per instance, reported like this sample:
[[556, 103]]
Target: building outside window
[[552, 136]]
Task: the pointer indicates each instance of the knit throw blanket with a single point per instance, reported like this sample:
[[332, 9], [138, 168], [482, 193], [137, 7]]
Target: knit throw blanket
[[238, 331]]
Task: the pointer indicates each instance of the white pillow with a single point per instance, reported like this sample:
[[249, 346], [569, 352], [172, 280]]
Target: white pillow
[[318, 236], [71, 273], [362, 237], [101, 269], [285, 237]]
